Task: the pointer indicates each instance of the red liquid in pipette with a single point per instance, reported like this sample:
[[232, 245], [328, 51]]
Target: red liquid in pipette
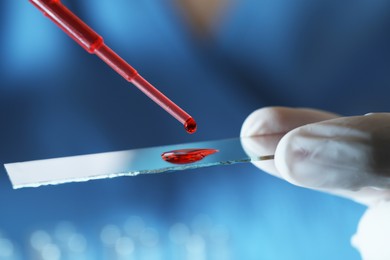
[[94, 44], [184, 156], [190, 125]]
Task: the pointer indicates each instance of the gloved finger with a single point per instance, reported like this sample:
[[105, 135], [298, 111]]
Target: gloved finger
[[273, 123], [368, 196], [280, 120], [343, 156], [373, 233], [262, 146]]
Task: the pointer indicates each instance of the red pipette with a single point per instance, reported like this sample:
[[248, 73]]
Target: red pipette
[[94, 44]]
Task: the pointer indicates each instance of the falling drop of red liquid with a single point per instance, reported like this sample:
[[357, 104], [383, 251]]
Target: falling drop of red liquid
[[190, 125], [184, 156]]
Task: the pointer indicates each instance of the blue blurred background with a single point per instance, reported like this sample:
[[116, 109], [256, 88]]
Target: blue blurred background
[[219, 60]]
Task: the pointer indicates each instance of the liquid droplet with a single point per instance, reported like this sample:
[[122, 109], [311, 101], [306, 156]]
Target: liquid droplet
[[183, 156], [190, 125]]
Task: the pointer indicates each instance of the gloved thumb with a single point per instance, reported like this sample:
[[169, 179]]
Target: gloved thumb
[[343, 153]]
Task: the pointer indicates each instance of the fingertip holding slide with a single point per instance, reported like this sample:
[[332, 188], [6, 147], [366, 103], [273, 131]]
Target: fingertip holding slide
[[288, 157], [280, 120], [257, 146], [346, 153], [323, 155], [273, 123], [346, 156]]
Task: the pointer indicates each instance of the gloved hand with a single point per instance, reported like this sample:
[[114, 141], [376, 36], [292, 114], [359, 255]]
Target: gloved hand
[[346, 156]]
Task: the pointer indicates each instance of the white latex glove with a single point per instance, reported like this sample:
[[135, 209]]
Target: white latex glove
[[373, 233], [346, 156]]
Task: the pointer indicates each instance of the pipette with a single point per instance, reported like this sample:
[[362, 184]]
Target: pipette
[[94, 44]]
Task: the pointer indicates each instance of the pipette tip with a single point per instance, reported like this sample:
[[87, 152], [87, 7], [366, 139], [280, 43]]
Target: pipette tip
[[190, 125]]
